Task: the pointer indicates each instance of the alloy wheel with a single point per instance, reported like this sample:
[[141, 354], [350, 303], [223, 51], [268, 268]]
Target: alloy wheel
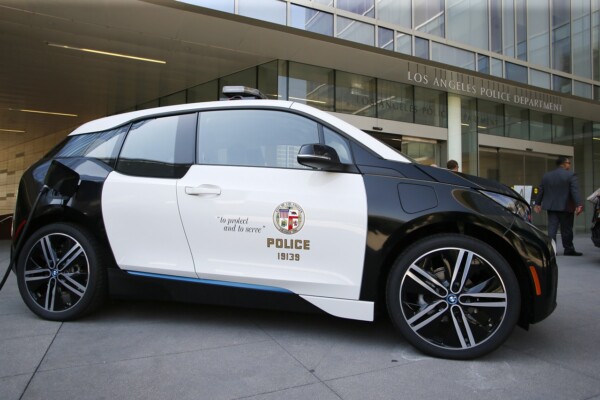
[[56, 272], [453, 298]]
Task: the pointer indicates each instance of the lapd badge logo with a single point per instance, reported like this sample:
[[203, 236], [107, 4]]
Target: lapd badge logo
[[288, 218]]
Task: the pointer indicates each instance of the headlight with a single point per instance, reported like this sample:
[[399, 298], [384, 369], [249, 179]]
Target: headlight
[[513, 205]]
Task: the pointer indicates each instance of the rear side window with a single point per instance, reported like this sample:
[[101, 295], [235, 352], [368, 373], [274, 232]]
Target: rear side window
[[160, 148], [103, 146]]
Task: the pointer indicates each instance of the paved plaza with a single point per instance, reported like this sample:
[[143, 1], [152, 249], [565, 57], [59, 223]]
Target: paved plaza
[[146, 350]]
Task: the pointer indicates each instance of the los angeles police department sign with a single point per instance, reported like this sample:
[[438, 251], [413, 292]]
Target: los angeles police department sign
[[288, 218]]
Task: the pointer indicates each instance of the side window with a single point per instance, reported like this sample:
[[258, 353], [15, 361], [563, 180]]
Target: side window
[[339, 144], [260, 138], [161, 147], [103, 146]]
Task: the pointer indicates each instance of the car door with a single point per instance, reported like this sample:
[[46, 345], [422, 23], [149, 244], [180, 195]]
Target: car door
[[254, 216], [139, 199]]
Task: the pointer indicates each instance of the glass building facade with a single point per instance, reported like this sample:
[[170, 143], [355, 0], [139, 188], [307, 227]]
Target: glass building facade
[[552, 44], [539, 46]]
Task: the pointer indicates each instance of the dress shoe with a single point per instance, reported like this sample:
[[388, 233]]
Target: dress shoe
[[572, 253]]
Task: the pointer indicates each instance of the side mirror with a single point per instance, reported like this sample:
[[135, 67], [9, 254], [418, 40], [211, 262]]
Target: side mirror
[[319, 156]]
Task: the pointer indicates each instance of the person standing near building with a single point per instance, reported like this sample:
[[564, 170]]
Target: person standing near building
[[559, 196]]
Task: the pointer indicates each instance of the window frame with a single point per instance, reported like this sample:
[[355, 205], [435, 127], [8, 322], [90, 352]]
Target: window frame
[[320, 131], [177, 173]]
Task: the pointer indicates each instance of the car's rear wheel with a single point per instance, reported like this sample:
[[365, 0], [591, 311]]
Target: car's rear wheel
[[61, 272], [453, 296]]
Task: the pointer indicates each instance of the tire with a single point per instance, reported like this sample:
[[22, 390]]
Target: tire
[[61, 272], [453, 296]]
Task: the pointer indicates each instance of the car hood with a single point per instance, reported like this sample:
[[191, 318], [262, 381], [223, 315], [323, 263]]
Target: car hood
[[475, 182]]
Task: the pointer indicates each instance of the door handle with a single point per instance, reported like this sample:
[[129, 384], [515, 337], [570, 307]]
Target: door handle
[[203, 190]]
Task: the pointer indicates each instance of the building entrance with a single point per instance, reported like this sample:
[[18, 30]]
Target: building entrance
[[423, 151], [516, 169]]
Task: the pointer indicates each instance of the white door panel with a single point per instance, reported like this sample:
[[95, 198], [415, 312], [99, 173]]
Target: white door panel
[[143, 225], [233, 235]]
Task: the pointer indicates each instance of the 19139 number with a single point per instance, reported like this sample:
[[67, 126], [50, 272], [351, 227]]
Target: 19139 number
[[288, 256]]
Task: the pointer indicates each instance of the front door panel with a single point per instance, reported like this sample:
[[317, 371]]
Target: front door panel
[[300, 230]]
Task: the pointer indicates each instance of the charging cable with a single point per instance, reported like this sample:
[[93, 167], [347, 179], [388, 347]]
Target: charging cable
[[13, 257]]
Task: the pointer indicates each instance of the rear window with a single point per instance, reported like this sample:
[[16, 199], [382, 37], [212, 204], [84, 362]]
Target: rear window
[[103, 146]]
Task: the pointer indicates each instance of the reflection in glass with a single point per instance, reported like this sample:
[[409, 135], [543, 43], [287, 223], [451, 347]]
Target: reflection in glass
[[538, 24], [516, 122], [596, 41], [422, 48], [469, 137], [516, 72], [423, 151], [311, 85], [395, 101], [581, 38], [496, 67], [394, 11], [159, 147], [429, 17], [360, 7], [271, 10], [596, 152], [512, 168], [404, 43], [582, 89], [540, 126], [261, 138], [496, 25], [488, 163], [311, 20], [339, 144], [268, 79], [385, 38], [355, 94], [282, 79], [521, 10], [562, 85], [561, 46], [539, 78], [468, 22], [490, 117], [508, 20], [483, 64], [561, 35], [431, 107], [355, 31], [562, 130], [452, 56], [583, 162]]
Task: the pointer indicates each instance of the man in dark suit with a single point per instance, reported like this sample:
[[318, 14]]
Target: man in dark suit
[[559, 196]]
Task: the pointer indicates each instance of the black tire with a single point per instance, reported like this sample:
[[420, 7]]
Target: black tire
[[61, 272], [460, 316]]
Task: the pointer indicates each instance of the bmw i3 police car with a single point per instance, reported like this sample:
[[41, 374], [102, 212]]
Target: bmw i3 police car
[[277, 204]]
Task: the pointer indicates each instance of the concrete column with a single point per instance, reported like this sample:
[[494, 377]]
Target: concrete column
[[454, 130]]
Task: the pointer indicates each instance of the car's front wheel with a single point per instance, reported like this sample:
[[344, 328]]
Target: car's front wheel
[[453, 296], [61, 272]]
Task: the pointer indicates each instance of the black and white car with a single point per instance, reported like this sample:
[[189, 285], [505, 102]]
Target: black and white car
[[277, 204]]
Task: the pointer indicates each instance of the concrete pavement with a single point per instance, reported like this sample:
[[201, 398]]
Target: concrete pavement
[[137, 350]]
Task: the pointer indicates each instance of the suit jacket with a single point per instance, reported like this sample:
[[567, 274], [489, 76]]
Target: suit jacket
[[559, 191]]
